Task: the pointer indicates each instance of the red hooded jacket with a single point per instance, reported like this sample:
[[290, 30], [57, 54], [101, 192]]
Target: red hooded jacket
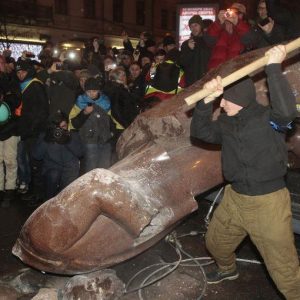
[[226, 45]]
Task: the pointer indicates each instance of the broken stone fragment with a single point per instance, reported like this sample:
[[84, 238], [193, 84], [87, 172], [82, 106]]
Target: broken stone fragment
[[100, 285]]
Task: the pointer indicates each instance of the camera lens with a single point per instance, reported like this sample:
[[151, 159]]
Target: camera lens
[[58, 133]]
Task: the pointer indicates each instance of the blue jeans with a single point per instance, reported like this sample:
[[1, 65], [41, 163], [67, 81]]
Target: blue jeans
[[57, 179], [96, 156], [24, 174]]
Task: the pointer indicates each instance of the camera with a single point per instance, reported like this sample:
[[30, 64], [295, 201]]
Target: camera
[[228, 13], [56, 134]]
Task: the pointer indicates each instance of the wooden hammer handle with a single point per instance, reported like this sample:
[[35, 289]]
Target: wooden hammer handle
[[293, 45]]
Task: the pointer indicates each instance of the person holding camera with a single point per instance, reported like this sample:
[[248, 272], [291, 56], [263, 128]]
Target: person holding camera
[[269, 32], [287, 15], [90, 117], [230, 35], [194, 52], [144, 46], [61, 86], [60, 150], [109, 64]]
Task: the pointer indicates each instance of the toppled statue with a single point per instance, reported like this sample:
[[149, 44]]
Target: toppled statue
[[108, 216]]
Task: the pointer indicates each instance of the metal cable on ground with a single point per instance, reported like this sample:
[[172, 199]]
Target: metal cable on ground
[[144, 284], [202, 270], [207, 218], [173, 241]]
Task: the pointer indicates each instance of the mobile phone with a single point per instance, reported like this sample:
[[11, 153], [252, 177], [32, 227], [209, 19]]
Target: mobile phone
[[59, 66], [264, 22]]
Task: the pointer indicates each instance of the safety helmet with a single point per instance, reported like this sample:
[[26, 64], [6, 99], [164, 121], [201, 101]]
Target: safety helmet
[[5, 112]]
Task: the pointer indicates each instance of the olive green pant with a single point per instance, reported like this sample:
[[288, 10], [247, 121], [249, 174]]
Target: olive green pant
[[267, 219]]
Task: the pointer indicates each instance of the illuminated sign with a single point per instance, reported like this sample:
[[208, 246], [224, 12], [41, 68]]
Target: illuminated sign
[[18, 48], [185, 12]]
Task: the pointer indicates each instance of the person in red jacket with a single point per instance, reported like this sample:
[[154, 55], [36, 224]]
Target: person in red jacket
[[229, 36]]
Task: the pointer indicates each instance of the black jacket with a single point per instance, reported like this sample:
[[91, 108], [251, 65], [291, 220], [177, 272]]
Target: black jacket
[[174, 55], [35, 110], [276, 36], [194, 61], [58, 156], [254, 155], [124, 104], [288, 19], [62, 88]]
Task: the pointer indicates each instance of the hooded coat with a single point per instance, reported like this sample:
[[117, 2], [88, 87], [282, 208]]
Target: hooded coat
[[227, 45], [254, 155]]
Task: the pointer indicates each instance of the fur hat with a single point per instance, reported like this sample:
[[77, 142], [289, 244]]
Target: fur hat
[[240, 7], [196, 19], [241, 93]]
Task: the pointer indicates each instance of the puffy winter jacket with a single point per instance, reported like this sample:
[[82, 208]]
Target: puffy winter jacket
[[226, 45]]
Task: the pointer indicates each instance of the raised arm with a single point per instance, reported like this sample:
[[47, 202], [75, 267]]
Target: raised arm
[[202, 125], [282, 100]]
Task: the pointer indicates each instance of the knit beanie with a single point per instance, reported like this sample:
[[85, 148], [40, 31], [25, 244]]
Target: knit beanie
[[93, 70], [168, 40], [24, 65], [150, 43], [92, 84], [241, 93], [196, 19]]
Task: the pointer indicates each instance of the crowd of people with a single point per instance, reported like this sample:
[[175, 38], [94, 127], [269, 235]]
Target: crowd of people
[[65, 118]]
